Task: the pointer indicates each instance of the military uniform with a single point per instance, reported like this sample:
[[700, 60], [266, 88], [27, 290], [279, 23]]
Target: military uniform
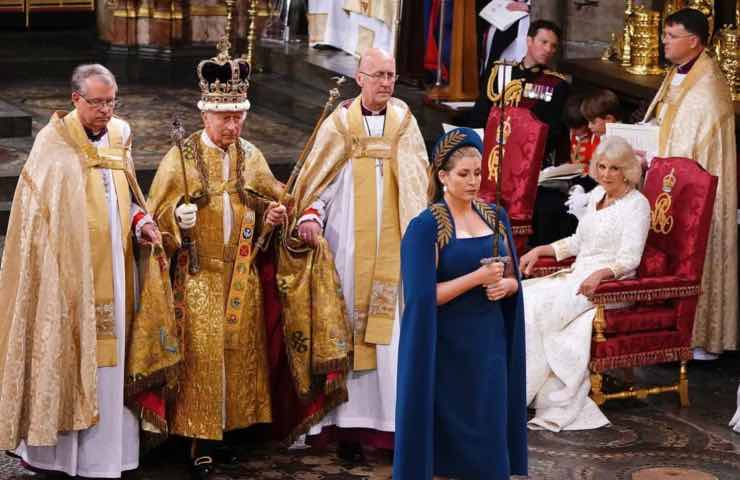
[[544, 92]]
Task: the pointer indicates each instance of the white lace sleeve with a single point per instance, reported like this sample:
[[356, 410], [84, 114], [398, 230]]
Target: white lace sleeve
[[634, 234]]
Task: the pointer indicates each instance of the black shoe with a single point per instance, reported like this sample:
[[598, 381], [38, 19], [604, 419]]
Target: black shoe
[[351, 452], [225, 458], [201, 468], [43, 474]]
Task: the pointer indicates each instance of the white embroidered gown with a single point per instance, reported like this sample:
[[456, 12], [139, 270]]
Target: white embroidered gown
[[558, 321]]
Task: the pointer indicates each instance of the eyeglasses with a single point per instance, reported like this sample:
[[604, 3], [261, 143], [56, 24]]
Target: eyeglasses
[[379, 76], [100, 104], [673, 36]]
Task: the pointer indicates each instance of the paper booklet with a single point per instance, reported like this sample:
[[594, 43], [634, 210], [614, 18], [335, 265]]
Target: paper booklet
[[497, 15], [643, 138], [565, 171]]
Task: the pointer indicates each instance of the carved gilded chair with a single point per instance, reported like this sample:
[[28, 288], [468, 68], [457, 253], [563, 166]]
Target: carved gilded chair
[[657, 326], [524, 148]]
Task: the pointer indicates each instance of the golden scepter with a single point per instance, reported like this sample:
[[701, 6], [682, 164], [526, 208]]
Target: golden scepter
[[328, 106], [177, 133]]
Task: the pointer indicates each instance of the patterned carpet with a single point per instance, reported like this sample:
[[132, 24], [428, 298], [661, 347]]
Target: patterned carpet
[[647, 440]]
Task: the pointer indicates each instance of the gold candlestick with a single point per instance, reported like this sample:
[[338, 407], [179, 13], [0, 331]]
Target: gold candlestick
[[251, 35], [626, 58], [229, 12]]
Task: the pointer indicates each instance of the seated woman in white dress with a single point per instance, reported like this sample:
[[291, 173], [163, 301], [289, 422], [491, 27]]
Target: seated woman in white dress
[[558, 315]]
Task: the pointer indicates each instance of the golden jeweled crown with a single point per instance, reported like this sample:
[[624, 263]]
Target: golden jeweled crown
[[223, 82]]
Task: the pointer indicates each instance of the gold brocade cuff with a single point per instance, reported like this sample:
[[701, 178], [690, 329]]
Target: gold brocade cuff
[[561, 249]]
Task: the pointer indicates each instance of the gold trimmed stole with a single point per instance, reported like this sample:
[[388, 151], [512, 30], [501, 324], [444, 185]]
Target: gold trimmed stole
[[669, 97], [377, 253], [114, 158]]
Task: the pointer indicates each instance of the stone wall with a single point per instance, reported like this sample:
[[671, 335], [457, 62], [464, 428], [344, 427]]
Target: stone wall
[[588, 24]]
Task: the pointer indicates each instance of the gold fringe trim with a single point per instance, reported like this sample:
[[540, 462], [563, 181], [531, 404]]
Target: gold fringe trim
[[646, 295], [641, 359], [522, 230], [327, 366], [156, 420], [545, 271], [339, 383], [165, 377], [341, 396]]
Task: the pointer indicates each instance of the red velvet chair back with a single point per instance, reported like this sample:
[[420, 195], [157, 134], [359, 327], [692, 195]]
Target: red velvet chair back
[[525, 138], [681, 195]]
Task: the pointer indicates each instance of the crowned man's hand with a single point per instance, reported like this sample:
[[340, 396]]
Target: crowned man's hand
[[186, 214], [150, 235], [310, 231], [276, 214]]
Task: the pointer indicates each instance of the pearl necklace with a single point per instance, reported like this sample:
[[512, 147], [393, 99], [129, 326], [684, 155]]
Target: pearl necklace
[[608, 202]]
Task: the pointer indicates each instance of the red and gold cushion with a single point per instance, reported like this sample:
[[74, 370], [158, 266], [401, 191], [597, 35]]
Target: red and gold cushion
[[525, 138]]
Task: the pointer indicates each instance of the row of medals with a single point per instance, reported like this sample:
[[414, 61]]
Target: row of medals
[[538, 92]]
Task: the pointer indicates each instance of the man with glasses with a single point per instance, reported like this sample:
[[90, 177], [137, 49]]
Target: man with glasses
[[67, 291], [695, 112], [363, 181]]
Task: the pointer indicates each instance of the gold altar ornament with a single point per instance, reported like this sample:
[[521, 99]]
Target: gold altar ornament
[[726, 46], [645, 53]]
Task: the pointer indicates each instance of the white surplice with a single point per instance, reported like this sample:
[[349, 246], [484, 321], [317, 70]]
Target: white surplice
[[372, 393], [112, 446], [558, 320], [735, 422], [330, 24]]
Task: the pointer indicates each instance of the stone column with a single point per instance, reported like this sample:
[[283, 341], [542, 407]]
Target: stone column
[[549, 10]]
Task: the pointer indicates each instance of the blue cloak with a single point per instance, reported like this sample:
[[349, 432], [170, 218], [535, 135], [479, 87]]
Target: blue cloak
[[460, 409]]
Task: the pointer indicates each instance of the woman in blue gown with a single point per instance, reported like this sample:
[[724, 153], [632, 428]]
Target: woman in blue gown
[[460, 410]]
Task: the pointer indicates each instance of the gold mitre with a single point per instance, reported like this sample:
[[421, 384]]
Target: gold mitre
[[223, 82]]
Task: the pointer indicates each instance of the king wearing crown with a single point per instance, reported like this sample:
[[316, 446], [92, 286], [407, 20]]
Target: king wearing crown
[[213, 194]]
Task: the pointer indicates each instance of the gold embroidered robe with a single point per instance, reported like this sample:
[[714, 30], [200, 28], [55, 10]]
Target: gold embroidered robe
[[342, 144], [697, 120], [223, 382], [54, 333]]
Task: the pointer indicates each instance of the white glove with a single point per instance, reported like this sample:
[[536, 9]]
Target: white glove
[[185, 215], [577, 202]]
